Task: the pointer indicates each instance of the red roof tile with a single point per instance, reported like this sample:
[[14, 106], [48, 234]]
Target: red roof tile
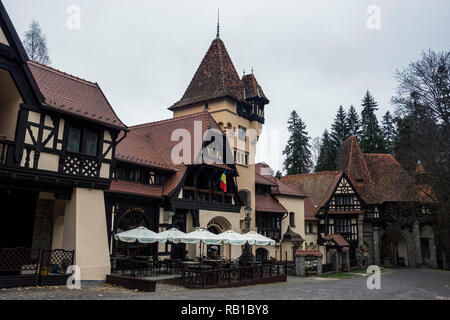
[[252, 88], [215, 77], [136, 188], [141, 150], [259, 179], [310, 211], [318, 186], [67, 93], [308, 253], [267, 203], [263, 173], [338, 239], [377, 178]]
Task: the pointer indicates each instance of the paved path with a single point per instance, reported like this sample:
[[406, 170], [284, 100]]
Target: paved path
[[395, 284]]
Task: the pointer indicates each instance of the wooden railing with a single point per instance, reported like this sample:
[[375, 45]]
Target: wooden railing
[[205, 195], [233, 277], [5, 146]]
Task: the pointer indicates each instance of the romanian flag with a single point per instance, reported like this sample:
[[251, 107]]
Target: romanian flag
[[223, 182]]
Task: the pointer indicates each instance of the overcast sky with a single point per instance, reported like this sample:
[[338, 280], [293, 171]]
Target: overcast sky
[[310, 56]]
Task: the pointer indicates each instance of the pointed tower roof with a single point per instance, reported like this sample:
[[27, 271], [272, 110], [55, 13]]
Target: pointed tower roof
[[216, 77], [420, 169], [252, 88]]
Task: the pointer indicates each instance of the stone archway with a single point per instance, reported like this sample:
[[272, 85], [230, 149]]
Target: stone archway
[[394, 249], [217, 225]]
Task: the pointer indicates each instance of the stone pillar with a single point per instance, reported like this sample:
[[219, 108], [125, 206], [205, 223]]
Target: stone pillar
[[347, 260], [359, 255], [444, 260], [85, 232], [417, 246], [338, 259], [432, 248], [376, 246], [300, 266], [319, 265]]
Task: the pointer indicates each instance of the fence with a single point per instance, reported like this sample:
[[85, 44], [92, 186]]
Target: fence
[[233, 277], [31, 267]]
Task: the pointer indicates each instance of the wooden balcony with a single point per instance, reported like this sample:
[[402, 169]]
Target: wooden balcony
[[207, 196]]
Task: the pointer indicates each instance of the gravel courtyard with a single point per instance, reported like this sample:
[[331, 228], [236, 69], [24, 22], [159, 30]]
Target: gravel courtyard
[[395, 284]]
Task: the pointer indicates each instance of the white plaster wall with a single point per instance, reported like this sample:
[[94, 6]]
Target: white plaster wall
[[85, 232]]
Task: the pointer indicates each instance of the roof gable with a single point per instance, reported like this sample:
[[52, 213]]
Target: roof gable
[[378, 178], [318, 186]]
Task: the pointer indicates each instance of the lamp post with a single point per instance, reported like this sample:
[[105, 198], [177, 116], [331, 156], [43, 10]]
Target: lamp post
[[247, 255]]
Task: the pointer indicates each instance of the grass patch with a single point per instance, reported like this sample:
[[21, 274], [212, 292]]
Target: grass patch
[[364, 270], [338, 275]]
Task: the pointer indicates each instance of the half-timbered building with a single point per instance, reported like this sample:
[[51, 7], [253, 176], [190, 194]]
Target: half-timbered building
[[370, 211], [152, 189], [58, 135]]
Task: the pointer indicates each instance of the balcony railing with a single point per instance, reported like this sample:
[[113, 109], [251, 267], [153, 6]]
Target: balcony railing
[[272, 233], [5, 147], [204, 195], [80, 165]]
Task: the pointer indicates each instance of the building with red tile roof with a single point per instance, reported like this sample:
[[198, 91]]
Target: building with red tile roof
[[374, 205]]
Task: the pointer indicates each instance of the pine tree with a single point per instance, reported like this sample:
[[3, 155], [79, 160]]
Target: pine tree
[[389, 131], [278, 174], [298, 149], [328, 155], [339, 128], [371, 137], [353, 122], [35, 44]]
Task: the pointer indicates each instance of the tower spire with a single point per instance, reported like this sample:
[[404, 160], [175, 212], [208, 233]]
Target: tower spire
[[218, 24]]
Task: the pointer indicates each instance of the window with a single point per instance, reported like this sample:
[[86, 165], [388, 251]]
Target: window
[[74, 139], [242, 133], [241, 157], [309, 228], [344, 200], [154, 178], [291, 219], [342, 226], [91, 143], [126, 174], [81, 140]]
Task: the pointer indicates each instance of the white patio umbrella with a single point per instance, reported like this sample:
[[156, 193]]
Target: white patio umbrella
[[173, 235], [202, 235], [258, 239], [141, 234], [232, 238]]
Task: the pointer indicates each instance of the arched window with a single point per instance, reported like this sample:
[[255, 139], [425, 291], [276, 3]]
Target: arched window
[[132, 220]]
